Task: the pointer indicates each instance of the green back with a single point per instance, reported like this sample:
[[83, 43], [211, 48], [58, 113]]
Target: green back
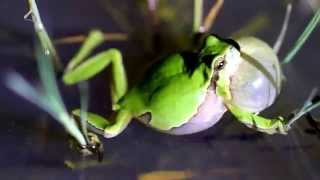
[[174, 88]]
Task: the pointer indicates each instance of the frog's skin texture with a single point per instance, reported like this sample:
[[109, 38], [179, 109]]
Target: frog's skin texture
[[183, 93], [173, 90], [205, 116]]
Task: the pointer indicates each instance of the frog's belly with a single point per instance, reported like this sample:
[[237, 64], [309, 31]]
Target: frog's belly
[[209, 113]]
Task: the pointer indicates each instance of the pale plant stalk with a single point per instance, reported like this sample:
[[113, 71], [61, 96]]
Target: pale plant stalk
[[81, 38], [212, 15], [280, 39], [197, 16]]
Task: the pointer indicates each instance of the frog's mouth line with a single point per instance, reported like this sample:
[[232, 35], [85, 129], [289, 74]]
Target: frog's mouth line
[[214, 80]]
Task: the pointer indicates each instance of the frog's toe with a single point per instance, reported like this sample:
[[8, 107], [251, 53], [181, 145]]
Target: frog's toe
[[109, 134]]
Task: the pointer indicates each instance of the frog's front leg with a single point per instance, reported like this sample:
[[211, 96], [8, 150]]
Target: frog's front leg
[[81, 69], [252, 120]]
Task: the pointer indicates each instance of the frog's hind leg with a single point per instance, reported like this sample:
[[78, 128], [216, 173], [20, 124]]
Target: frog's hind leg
[[107, 128], [81, 69]]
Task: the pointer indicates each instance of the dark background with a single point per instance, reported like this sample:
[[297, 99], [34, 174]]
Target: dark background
[[34, 146]]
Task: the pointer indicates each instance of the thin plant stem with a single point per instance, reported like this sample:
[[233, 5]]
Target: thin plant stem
[[84, 102], [81, 38], [307, 107], [152, 8], [211, 17], [279, 41], [197, 16], [303, 37], [42, 33], [303, 112]]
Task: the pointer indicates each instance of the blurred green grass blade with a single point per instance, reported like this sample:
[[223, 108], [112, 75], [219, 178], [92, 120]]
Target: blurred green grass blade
[[47, 76], [53, 96], [50, 99], [42, 33], [84, 102], [20, 86], [45, 53], [303, 37]]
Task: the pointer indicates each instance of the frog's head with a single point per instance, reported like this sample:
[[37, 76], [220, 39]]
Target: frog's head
[[214, 45], [223, 55], [249, 78]]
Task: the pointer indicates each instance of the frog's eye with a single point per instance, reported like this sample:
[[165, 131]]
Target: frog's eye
[[219, 64]]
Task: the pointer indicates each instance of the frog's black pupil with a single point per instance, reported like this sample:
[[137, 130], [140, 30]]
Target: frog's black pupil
[[220, 65]]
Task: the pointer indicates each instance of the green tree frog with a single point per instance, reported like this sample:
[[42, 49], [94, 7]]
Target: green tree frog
[[185, 93], [182, 93]]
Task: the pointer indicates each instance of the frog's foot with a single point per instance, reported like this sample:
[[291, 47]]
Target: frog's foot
[[94, 147], [102, 126]]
